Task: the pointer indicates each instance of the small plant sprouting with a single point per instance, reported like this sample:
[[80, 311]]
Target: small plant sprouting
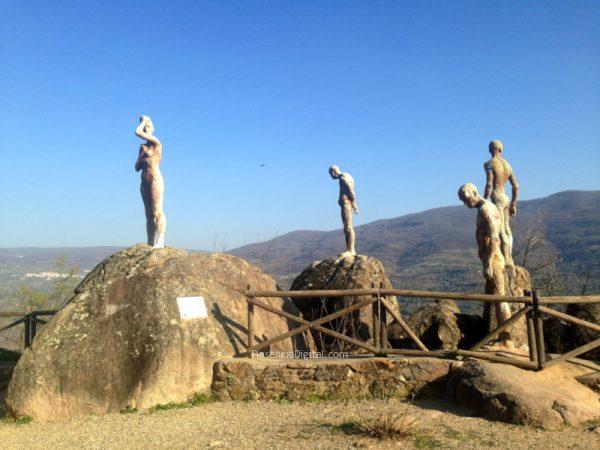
[[129, 410], [20, 420]]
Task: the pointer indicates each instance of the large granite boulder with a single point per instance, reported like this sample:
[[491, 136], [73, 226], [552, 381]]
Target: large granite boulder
[[549, 398], [121, 341], [439, 325], [581, 335], [340, 272]]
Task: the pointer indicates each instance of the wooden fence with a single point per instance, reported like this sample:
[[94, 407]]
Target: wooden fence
[[30, 319], [532, 308]]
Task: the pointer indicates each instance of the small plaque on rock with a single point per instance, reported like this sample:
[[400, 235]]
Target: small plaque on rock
[[192, 307]]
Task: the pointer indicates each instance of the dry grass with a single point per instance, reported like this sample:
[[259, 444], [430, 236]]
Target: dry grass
[[392, 420]]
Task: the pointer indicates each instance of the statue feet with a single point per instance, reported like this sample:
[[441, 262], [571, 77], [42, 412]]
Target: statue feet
[[347, 253], [160, 242]]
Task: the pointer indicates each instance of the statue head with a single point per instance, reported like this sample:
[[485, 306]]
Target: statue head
[[495, 147], [148, 125], [335, 172], [468, 195]]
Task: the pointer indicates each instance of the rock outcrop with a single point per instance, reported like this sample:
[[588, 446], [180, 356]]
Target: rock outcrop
[[341, 272], [439, 325], [121, 340], [581, 335], [561, 336], [517, 288], [549, 398]]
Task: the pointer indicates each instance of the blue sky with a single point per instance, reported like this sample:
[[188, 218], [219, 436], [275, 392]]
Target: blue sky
[[404, 95]]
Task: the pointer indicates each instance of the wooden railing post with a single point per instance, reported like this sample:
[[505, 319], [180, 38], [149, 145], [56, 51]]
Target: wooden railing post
[[27, 322], [531, 336], [376, 310], [383, 340], [539, 331], [250, 307], [33, 324]]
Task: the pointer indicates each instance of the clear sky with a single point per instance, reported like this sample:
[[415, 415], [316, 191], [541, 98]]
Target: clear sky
[[404, 95]]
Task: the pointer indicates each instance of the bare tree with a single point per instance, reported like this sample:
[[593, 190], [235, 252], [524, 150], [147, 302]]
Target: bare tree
[[534, 252]]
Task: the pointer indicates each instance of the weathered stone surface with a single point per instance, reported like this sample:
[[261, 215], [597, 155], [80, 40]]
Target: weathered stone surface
[[270, 378], [439, 325], [121, 342], [518, 331], [591, 380], [341, 272], [549, 398]]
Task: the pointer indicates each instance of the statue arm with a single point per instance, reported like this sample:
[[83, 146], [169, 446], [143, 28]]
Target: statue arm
[[489, 181], [138, 163], [352, 197], [485, 243], [488, 243], [515, 192], [139, 132]]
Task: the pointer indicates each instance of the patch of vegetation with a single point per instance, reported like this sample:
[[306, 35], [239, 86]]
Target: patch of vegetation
[[197, 399], [200, 399], [317, 398], [129, 410], [169, 406], [422, 440], [21, 420], [591, 425]]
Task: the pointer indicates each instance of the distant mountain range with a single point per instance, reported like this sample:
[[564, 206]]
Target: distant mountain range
[[436, 249]]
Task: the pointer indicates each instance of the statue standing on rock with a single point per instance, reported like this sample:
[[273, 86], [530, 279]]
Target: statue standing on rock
[[153, 186], [489, 230], [498, 171], [347, 202]]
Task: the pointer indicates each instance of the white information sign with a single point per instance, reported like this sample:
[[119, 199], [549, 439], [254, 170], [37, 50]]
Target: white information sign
[[192, 307]]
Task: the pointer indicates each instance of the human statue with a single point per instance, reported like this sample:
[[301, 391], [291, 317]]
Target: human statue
[[152, 186], [347, 202], [489, 227], [498, 172]]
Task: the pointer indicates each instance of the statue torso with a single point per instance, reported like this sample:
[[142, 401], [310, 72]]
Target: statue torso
[[150, 160], [501, 172], [488, 226], [346, 184]]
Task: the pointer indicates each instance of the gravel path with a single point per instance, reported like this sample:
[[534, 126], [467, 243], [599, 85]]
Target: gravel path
[[284, 425]]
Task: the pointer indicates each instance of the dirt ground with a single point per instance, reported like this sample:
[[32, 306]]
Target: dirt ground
[[319, 424]]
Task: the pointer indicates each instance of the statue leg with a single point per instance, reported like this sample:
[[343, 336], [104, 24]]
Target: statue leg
[[158, 215], [348, 228], [495, 286], [150, 224]]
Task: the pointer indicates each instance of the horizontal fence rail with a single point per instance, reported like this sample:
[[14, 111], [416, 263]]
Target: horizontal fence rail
[[390, 292], [30, 320], [532, 310]]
